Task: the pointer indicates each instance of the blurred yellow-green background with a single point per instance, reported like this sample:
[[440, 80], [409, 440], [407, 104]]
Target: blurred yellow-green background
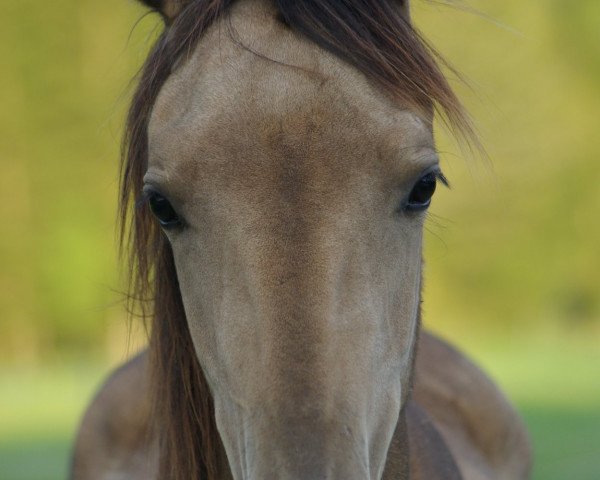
[[513, 262]]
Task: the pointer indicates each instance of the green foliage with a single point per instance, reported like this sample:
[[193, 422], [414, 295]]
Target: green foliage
[[66, 68], [513, 248]]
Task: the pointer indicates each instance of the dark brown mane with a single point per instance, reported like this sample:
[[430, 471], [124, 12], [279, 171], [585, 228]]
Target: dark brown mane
[[372, 35]]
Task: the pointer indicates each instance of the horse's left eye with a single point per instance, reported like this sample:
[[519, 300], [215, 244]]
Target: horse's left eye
[[163, 211], [420, 195]]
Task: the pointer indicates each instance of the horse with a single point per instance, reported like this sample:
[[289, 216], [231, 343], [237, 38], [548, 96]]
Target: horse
[[278, 168]]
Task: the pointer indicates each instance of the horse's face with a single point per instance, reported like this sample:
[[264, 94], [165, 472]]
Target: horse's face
[[298, 198]]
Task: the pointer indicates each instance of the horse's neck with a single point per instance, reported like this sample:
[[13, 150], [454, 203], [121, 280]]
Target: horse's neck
[[417, 450], [397, 462], [429, 457]]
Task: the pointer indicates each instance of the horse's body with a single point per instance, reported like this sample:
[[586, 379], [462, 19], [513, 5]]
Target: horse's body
[[286, 151], [459, 425]]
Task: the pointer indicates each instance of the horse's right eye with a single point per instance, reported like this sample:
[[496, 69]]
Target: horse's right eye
[[420, 196], [164, 212]]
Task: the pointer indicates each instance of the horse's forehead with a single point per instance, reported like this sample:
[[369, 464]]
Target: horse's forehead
[[250, 76]]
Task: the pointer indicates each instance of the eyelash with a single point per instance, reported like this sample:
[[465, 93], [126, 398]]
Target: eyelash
[[442, 178]]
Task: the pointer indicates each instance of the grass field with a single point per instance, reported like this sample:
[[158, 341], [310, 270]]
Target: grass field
[[556, 390]]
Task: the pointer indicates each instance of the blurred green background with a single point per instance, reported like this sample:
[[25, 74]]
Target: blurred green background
[[513, 263]]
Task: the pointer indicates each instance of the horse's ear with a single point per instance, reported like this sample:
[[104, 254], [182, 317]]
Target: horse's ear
[[169, 9]]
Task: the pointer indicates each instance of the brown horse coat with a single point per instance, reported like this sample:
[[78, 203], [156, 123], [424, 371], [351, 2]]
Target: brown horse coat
[[459, 425]]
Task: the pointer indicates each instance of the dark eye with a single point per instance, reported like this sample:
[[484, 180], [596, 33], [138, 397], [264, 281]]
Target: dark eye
[[163, 211], [420, 196]]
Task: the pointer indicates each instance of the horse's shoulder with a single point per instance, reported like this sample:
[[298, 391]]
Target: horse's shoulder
[[484, 432], [114, 440]]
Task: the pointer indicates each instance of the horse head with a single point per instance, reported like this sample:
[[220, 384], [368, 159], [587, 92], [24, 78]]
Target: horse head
[[284, 155]]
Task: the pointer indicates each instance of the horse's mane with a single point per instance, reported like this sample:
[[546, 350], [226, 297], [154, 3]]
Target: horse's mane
[[372, 35]]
